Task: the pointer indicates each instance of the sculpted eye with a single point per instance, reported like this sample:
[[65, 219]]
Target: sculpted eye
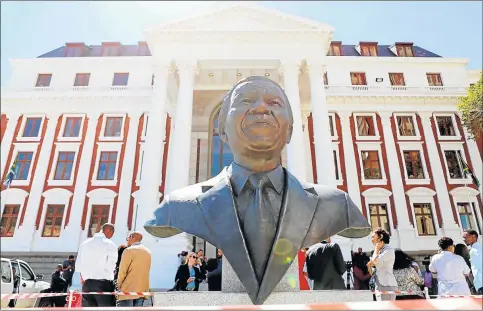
[[274, 103]]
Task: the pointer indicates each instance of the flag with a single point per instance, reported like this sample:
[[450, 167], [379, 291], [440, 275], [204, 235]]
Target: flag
[[12, 173], [467, 171]]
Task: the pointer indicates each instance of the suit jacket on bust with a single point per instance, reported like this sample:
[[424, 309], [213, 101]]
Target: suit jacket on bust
[[309, 214], [134, 270]]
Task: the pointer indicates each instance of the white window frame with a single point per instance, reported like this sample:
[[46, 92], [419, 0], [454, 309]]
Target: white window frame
[[56, 196], [423, 195], [13, 196], [104, 123], [99, 197], [414, 146], [24, 123], [144, 132], [379, 196], [64, 147], [470, 196], [334, 126], [372, 146], [103, 146], [60, 137], [24, 147], [374, 119], [335, 147], [415, 123], [454, 146], [455, 126]]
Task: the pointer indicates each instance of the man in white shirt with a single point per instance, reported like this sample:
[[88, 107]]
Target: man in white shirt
[[471, 239], [96, 261], [451, 270]]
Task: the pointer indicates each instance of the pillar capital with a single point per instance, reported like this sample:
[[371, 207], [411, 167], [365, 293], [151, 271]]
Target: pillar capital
[[315, 67], [290, 66], [187, 67]]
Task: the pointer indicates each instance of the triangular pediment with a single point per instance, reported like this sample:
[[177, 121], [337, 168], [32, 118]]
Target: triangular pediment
[[243, 17]]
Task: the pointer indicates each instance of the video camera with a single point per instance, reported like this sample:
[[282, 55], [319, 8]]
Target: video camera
[[348, 265]]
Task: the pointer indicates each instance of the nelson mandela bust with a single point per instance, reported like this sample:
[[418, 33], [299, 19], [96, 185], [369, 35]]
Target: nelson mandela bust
[[255, 209]]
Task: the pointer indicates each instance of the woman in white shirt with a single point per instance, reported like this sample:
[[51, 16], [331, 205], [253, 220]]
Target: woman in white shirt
[[451, 270], [383, 259]]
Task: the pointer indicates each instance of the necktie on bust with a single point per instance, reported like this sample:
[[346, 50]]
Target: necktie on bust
[[258, 225]]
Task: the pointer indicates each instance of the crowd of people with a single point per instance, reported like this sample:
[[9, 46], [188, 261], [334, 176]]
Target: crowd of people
[[195, 269], [458, 269]]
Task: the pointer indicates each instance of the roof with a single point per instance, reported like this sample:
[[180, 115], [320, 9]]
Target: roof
[[134, 50]]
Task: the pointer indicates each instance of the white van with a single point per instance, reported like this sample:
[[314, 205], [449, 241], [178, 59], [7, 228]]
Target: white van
[[28, 282]]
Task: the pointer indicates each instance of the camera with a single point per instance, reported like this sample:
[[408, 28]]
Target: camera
[[348, 265]]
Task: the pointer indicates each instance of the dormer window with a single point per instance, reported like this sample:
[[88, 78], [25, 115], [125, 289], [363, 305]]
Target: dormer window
[[335, 48], [74, 49], [111, 48], [368, 48], [143, 49], [404, 49]]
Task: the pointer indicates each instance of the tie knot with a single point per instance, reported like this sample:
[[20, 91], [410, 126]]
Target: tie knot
[[259, 181]]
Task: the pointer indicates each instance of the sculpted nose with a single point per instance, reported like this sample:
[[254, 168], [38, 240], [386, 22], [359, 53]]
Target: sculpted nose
[[260, 107]]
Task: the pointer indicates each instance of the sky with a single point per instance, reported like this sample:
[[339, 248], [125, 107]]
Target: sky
[[447, 28]]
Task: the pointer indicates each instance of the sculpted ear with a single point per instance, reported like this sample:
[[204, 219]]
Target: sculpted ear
[[221, 132], [289, 133]]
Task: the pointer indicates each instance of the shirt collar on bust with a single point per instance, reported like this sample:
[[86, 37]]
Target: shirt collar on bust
[[240, 175]]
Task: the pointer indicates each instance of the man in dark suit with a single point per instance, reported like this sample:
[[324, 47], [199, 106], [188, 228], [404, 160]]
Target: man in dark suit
[[326, 260], [256, 210]]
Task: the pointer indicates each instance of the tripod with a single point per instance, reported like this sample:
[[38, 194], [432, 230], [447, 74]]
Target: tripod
[[349, 278]]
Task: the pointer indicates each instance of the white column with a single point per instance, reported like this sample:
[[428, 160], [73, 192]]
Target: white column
[[475, 158], [147, 200], [295, 163], [320, 116], [309, 176], [124, 198], [350, 159], [7, 139], [395, 172], [153, 146], [27, 229], [74, 229], [179, 165], [438, 174]]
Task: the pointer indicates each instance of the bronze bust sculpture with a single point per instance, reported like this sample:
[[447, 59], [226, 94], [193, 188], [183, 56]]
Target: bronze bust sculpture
[[255, 210]]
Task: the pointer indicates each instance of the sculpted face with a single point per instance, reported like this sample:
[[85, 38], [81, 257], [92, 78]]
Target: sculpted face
[[258, 123]]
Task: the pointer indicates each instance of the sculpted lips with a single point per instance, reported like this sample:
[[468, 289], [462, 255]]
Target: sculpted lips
[[264, 121]]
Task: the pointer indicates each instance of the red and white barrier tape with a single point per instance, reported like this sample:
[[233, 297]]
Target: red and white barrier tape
[[435, 304], [41, 295]]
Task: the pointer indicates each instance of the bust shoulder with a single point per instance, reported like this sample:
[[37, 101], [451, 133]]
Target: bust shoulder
[[325, 193], [189, 194]]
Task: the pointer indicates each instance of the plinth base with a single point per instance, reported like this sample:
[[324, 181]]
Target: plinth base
[[170, 299]]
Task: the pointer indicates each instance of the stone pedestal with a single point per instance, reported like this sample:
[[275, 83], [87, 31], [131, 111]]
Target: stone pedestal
[[231, 284], [201, 299]]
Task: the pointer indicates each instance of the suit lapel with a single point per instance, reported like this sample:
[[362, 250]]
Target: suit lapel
[[296, 215], [218, 207]]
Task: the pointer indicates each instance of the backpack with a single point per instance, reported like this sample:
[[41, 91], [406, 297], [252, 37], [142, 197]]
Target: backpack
[[315, 264]]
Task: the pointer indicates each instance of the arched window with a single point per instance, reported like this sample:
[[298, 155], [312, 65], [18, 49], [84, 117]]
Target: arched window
[[221, 154]]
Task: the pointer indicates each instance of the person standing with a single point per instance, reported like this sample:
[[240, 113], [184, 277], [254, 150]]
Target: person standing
[[96, 262], [476, 257], [134, 271], [360, 271], [188, 275], [428, 280], [408, 279], [326, 265], [383, 260], [58, 284], [68, 267], [451, 270]]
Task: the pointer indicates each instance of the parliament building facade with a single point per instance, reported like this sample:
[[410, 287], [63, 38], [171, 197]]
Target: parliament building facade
[[101, 132]]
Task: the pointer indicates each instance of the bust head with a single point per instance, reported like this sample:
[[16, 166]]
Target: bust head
[[256, 121]]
